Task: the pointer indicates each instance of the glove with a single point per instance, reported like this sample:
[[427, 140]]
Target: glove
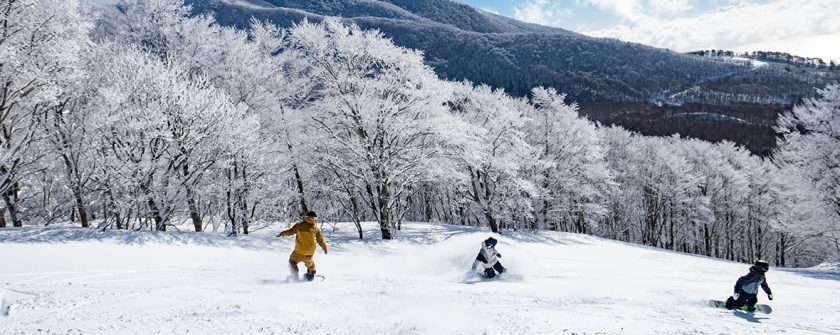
[[325, 252], [736, 295], [498, 255], [770, 296]]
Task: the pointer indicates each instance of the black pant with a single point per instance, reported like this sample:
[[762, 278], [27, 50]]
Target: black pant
[[744, 299], [489, 273]]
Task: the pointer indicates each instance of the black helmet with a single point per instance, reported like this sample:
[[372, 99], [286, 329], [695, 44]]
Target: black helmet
[[312, 214], [490, 242], [762, 265]]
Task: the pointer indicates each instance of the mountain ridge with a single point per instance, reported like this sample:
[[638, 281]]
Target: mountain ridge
[[587, 80], [628, 79]]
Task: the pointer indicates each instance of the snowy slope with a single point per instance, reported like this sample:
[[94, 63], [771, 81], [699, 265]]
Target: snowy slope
[[70, 281]]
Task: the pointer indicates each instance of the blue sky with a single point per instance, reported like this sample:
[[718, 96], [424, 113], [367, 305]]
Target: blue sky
[[804, 27], [583, 15], [808, 28]]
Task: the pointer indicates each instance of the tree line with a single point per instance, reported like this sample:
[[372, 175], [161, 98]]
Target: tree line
[[774, 56], [142, 116]]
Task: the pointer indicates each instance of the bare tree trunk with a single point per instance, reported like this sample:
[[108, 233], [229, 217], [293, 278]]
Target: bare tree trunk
[[671, 242], [159, 225], [156, 213], [379, 205], [384, 211], [11, 198], [197, 221], [243, 202], [653, 215], [229, 202], [80, 206], [231, 213], [299, 181], [782, 250], [13, 215], [479, 185], [543, 217], [243, 207], [119, 220], [73, 179], [580, 224], [429, 207], [355, 215], [3, 217], [759, 243], [195, 213], [491, 220]]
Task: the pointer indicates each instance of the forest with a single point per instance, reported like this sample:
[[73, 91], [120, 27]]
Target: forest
[[643, 89], [142, 116]]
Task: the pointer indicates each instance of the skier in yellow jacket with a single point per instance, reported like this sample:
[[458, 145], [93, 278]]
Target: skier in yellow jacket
[[307, 234]]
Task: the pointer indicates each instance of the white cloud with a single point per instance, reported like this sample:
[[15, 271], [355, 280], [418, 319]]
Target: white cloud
[[543, 12], [734, 27], [669, 6], [628, 9]]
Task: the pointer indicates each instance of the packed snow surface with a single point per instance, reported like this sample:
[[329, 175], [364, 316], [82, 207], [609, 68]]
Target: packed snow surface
[[83, 281]]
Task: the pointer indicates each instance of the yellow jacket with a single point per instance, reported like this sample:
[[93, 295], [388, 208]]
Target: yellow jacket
[[307, 233]]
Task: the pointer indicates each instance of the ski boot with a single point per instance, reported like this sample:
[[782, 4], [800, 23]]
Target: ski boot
[[309, 275]]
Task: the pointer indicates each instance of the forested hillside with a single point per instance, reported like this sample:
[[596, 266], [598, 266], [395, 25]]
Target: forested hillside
[[628, 80], [513, 58]]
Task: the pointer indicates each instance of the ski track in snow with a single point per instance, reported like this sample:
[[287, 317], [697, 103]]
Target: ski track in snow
[[75, 281]]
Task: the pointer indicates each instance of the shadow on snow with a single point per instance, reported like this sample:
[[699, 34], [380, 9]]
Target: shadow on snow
[[826, 271]]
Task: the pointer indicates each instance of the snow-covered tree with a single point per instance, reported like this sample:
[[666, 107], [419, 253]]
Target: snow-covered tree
[[160, 129], [377, 114], [165, 116], [497, 182], [41, 44], [65, 128], [247, 67], [575, 178], [810, 151]]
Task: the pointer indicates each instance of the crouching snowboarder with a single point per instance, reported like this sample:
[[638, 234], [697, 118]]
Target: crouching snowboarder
[[488, 259], [746, 288], [307, 233]]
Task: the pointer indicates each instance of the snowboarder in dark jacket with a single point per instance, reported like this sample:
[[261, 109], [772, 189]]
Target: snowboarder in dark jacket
[[488, 259], [746, 288]]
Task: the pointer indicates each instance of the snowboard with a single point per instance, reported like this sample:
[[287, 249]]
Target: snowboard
[[317, 278], [473, 277], [758, 307], [289, 280]]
